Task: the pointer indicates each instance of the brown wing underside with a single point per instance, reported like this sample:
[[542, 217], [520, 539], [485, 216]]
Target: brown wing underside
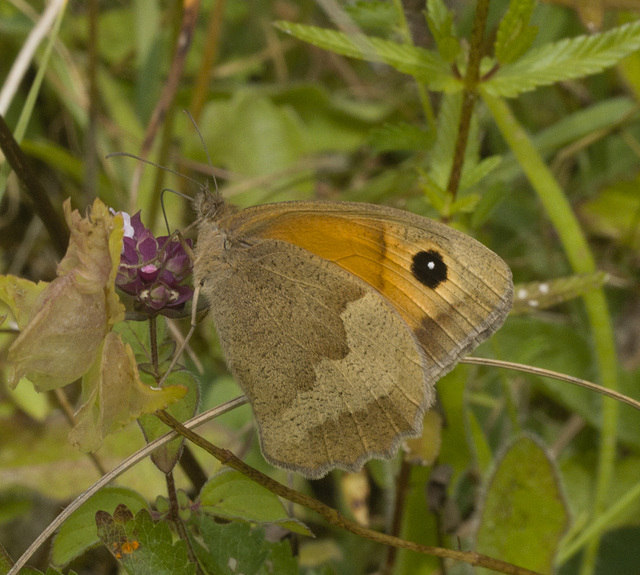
[[332, 372], [378, 245]]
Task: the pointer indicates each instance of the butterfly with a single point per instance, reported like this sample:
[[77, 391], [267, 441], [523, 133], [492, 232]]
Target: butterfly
[[337, 319]]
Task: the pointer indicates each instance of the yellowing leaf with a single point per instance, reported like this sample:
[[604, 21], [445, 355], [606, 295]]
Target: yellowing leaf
[[167, 456], [114, 395], [94, 253], [425, 449], [20, 296], [68, 318], [61, 340]]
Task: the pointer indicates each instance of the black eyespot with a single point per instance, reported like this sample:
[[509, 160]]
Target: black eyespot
[[429, 268]]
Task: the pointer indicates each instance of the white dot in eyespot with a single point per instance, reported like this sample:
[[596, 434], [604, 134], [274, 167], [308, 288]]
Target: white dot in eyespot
[[544, 288], [431, 265], [522, 293]]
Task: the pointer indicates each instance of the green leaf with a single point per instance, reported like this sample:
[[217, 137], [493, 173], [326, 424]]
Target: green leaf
[[477, 438], [564, 60], [475, 173], [5, 561], [250, 134], [455, 448], [523, 512], [439, 18], [615, 213], [78, 532], [67, 163], [16, 502], [137, 335], [441, 157], [466, 204], [493, 194], [418, 525], [140, 546], [515, 36], [534, 296], [426, 66], [436, 195], [234, 548], [114, 395], [20, 295], [440, 21], [547, 348], [167, 456], [231, 495]]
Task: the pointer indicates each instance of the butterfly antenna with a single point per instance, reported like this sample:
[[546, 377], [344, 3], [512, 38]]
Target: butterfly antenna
[[145, 161], [164, 212], [206, 150]]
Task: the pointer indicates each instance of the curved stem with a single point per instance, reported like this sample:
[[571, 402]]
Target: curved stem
[[128, 463], [331, 515]]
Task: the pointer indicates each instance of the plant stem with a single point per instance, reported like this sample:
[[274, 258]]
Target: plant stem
[[579, 255], [331, 515], [402, 485], [33, 188], [469, 96], [174, 510], [153, 342]]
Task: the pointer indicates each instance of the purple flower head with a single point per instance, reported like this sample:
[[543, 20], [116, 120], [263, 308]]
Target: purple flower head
[[153, 270]]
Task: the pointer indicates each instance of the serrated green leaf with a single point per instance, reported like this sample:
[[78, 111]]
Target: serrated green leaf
[[515, 36], [441, 157], [440, 21], [167, 456], [465, 204], [425, 65], [234, 548], [474, 174], [564, 60], [534, 296], [439, 18], [524, 514], [231, 495], [436, 195], [78, 532], [141, 546]]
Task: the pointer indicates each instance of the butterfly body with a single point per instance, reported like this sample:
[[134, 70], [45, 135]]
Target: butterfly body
[[337, 319]]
